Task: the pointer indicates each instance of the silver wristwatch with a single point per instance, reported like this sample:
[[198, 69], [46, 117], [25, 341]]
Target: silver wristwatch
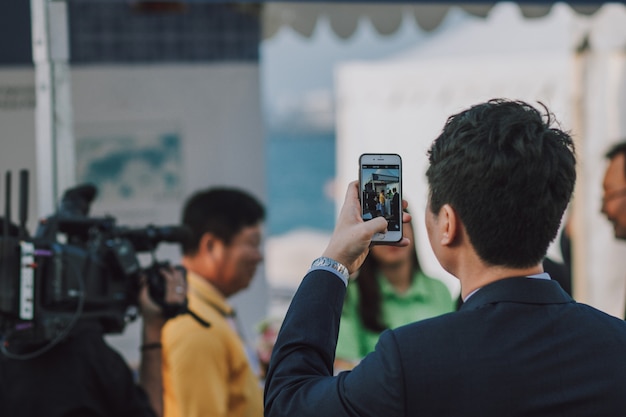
[[331, 263]]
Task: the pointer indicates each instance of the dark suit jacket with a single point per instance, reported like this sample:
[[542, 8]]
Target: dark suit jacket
[[517, 347]]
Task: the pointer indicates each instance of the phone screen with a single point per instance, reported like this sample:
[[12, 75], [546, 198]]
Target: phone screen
[[381, 192]]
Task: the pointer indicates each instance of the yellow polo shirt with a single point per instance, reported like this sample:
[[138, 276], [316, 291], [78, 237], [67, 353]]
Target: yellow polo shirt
[[206, 372]]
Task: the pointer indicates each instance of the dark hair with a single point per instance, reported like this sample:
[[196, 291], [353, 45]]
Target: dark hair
[[370, 298], [220, 211], [617, 149], [508, 174]]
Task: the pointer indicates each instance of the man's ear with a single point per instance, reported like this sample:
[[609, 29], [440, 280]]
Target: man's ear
[[449, 223], [208, 243]]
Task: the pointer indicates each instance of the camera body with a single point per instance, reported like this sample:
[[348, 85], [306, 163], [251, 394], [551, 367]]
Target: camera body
[[75, 267]]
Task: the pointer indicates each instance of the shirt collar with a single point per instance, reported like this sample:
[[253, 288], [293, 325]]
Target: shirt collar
[[203, 289], [542, 275]]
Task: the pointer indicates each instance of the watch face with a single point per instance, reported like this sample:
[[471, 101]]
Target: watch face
[[322, 262]]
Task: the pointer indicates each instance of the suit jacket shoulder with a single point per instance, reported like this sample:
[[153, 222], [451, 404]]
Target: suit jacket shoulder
[[518, 347]]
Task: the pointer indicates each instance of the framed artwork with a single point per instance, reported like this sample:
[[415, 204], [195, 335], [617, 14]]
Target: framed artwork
[[130, 163]]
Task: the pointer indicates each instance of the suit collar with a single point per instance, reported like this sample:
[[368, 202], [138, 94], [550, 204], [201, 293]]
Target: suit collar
[[518, 290]]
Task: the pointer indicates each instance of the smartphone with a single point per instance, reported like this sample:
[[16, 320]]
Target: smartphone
[[380, 186]]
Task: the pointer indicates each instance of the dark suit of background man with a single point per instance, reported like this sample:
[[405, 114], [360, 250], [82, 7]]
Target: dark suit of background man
[[500, 178], [395, 205], [614, 190]]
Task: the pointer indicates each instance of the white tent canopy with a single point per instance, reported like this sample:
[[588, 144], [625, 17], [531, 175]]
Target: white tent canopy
[[386, 18]]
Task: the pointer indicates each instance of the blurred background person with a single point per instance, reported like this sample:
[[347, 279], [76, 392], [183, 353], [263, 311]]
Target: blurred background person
[[209, 370], [614, 190], [381, 202], [389, 291]]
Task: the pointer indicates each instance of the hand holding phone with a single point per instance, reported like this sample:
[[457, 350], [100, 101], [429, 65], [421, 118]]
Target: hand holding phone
[[380, 187]]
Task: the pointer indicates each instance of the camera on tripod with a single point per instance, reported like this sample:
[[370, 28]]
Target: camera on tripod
[[74, 267]]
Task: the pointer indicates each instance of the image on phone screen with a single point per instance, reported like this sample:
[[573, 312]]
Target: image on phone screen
[[380, 182]]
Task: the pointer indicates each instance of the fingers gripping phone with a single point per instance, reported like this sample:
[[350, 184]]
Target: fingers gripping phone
[[380, 186]]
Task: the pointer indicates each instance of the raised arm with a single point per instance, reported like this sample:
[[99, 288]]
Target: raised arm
[[150, 376], [300, 378]]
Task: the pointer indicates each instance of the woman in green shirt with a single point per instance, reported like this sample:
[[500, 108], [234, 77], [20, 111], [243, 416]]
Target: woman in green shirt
[[389, 291]]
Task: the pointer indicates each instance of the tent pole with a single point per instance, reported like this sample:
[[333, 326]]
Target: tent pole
[[577, 227], [53, 112]]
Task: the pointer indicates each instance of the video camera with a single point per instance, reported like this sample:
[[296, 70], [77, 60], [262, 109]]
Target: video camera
[[74, 267]]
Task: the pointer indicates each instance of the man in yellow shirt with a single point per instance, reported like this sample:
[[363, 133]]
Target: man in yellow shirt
[[206, 372]]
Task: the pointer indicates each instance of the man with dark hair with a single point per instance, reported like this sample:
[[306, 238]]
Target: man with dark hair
[[206, 370], [500, 178], [614, 189]]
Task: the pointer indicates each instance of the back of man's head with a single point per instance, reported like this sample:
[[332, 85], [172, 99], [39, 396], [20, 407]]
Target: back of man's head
[[224, 212], [508, 174]]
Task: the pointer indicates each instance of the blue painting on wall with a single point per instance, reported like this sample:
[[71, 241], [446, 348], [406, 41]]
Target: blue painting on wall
[[135, 166]]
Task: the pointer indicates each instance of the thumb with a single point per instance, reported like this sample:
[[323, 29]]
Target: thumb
[[376, 225]]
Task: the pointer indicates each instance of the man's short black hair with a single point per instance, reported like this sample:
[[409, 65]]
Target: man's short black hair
[[223, 212], [617, 149], [508, 174]]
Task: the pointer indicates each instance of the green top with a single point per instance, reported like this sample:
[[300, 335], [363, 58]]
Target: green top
[[426, 297]]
